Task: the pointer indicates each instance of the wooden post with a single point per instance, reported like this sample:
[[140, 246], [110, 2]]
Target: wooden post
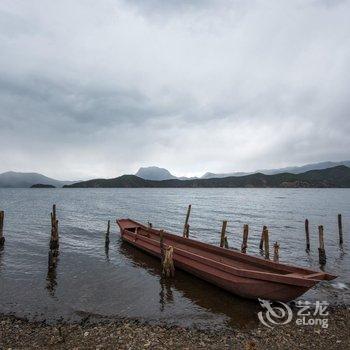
[[107, 233], [276, 248], [307, 234], [266, 243], [168, 262], [186, 230], [223, 234], [51, 272], [54, 229], [321, 250], [261, 245], [166, 256], [2, 238], [245, 239], [340, 227], [226, 242], [52, 260], [187, 226]]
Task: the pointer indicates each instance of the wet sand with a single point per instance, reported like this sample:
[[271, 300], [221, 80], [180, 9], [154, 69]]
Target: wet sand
[[18, 333]]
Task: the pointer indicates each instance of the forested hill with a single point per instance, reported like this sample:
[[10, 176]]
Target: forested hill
[[338, 176]]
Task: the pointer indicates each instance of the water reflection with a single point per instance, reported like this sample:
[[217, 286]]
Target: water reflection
[[107, 252], [166, 294], [338, 261], [240, 312]]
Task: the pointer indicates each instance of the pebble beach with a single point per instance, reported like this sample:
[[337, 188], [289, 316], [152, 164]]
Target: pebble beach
[[16, 333]]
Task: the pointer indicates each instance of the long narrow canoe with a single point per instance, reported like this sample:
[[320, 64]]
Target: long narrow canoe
[[241, 274]]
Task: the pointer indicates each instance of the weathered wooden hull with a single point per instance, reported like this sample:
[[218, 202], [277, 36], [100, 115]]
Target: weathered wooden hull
[[241, 274]]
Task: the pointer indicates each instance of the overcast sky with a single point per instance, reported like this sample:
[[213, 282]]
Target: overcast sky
[[99, 88]]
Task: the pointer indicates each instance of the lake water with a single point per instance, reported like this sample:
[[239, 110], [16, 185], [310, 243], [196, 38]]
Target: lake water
[[125, 282]]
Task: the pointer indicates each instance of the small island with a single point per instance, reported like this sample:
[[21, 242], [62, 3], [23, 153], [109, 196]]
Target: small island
[[42, 186]]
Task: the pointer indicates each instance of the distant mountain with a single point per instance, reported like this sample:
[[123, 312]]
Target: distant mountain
[[154, 173], [338, 176], [159, 174], [219, 175], [304, 168], [25, 180], [292, 169]]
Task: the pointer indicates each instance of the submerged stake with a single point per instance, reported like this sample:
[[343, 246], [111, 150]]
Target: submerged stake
[[53, 254], [186, 230], [168, 263], [340, 228], [223, 234], [266, 243], [2, 238], [107, 233], [307, 235], [187, 234], [321, 251], [54, 229], [226, 242], [261, 245], [245, 238], [166, 256], [276, 248]]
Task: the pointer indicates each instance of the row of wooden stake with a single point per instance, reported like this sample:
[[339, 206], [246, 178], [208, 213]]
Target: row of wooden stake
[[263, 246], [264, 240], [166, 255], [321, 250], [54, 241]]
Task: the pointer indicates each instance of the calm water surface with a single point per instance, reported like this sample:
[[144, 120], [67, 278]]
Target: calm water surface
[[124, 282]]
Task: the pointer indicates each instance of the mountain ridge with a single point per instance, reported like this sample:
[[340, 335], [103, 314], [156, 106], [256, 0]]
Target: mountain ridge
[[164, 174], [14, 179], [338, 177], [154, 173]]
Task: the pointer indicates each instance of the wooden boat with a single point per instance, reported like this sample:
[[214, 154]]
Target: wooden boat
[[241, 274]]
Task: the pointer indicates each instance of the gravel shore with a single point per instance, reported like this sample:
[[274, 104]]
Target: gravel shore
[[18, 333]]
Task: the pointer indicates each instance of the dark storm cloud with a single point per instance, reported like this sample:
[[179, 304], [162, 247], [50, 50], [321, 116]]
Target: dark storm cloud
[[41, 99], [101, 88]]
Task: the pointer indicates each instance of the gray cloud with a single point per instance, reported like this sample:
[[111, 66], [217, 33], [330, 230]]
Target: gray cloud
[[171, 6], [101, 88]]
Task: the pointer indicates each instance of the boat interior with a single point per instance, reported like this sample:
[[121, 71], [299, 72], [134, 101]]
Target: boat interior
[[233, 259]]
